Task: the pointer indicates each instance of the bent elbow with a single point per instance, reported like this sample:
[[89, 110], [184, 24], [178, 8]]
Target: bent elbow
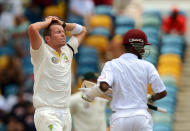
[[104, 86], [31, 28], [84, 30], [164, 93]]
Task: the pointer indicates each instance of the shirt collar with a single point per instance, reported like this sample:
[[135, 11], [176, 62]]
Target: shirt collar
[[53, 50], [50, 48], [128, 55]]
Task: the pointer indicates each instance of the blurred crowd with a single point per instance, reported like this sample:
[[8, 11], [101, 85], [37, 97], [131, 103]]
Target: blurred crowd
[[16, 71]]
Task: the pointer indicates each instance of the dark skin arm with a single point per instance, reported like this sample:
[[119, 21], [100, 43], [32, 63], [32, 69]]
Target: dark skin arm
[[158, 96]]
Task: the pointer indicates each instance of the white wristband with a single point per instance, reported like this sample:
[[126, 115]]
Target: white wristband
[[77, 29]]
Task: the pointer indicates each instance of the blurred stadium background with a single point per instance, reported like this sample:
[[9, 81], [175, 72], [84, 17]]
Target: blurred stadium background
[[106, 21]]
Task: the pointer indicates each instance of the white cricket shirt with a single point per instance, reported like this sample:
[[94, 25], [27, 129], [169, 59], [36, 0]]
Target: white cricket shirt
[[88, 116], [129, 77], [52, 75]]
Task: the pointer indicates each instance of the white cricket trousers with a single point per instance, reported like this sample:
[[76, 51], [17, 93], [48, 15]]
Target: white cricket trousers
[[52, 119], [133, 123]]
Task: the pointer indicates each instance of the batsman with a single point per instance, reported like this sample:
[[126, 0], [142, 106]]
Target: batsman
[[51, 57], [129, 76]]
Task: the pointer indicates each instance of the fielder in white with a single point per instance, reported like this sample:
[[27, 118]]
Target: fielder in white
[[88, 116], [51, 58], [129, 76]]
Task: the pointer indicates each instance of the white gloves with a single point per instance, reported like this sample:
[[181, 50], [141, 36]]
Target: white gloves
[[89, 94], [149, 99]]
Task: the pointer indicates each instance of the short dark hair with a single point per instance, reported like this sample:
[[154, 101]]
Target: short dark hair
[[127, 47], [130, 49], [47, 31]]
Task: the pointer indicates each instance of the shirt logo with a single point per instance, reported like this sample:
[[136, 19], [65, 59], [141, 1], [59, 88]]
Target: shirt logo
[[136, 40], [102, 78], [54, 60], [50, 127], [66, 59]]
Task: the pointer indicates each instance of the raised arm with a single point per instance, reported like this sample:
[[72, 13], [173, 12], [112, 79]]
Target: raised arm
[[34, 32], [74, 29]]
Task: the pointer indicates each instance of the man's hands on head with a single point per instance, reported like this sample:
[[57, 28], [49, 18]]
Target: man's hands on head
[[49, 19], [61, 22]]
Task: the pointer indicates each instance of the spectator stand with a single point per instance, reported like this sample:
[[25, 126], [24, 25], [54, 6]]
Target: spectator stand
[[169, 67]]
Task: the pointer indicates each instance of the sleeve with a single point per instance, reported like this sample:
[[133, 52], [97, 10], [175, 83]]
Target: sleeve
[[154, 78], [106, 75], [37, 55], [73, 43]]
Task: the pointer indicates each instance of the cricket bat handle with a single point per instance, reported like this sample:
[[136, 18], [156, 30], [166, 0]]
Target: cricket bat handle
[[155, 108]]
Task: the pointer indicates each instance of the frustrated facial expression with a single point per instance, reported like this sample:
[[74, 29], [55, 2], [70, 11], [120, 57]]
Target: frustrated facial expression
[[57, 37]]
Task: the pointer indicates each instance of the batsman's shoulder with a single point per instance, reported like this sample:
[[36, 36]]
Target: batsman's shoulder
[[109, 63], [148, 64], [113, 61]]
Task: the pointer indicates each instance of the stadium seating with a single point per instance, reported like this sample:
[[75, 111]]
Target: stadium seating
[[55, 10], [100, 31], [99, 42], [169, 68], [71, 18], [122, 30], [87, 60], [166, 53], [162, 127], [27, 65], [124, 21], [101, 21], [6, 50], [160, 118], [123, 24], [104, 10], [3, 61], [11, 89]]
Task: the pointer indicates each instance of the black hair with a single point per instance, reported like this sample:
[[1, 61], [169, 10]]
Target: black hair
[[130, 49]]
